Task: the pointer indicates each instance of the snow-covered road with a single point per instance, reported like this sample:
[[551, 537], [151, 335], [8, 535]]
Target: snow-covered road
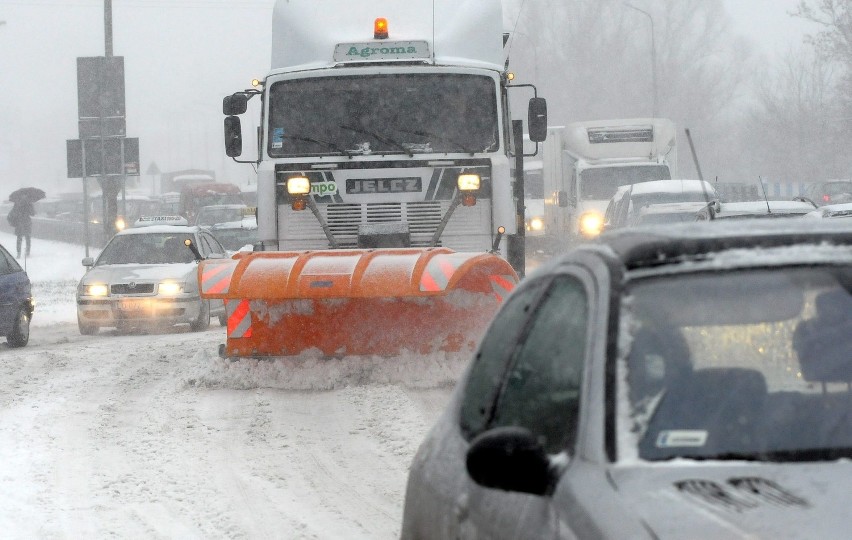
[[153, 435]]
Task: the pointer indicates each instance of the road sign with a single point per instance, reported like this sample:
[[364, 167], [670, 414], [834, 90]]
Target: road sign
[[100, 86], [91, 128], [103, 157]]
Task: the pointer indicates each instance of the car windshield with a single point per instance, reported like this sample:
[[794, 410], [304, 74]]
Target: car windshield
[[235, 238], [602, 183], [153, 248], [383, 114], [748, 365], [212, 216]]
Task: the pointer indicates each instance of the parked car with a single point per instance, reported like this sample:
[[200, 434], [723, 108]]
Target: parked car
[[661, 383], [829, 192], [16, 301], [627, 203], [832, 211], [146, 275], [759, 209]]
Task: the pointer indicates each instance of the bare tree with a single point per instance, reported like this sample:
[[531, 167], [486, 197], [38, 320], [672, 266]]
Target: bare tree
[[794, 134], [594, 60]]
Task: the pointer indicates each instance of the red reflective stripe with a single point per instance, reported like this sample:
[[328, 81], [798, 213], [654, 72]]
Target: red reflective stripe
[[447, 268], [427, 283], [503, 282], [237, 316], [220, 286], [212, 271]]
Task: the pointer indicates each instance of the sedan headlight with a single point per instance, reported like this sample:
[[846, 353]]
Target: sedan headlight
[[97, 289], [170, 288]]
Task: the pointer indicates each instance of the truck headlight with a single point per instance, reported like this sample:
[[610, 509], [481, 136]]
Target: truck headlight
[[536, 224], [298, 186], [97, 289], [469, 182], [169, 288], [591, 224]]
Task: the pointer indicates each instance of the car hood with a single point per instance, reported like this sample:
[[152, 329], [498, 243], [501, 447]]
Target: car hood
[[120, 273], [689, 500]]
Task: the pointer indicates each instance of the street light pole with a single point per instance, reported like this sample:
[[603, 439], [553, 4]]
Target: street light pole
[[653, 54]]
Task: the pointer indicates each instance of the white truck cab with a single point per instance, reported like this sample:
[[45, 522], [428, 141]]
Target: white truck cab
[[586, 162]]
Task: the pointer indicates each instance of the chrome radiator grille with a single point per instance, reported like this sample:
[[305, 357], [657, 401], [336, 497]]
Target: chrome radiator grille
[[301, 230]]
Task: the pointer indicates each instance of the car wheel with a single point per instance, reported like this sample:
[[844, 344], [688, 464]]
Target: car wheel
[[203, 320], [223, 320], [86, 329], [20, 335]]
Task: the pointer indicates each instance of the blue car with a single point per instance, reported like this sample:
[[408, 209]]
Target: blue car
[[16, 301]]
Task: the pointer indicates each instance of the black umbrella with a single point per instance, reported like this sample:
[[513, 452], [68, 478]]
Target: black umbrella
[[30, 194]]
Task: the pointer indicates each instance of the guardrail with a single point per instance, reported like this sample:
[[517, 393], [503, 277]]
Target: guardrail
[[71, 232]]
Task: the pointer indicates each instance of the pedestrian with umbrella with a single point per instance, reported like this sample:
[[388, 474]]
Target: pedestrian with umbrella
[[20, 216]]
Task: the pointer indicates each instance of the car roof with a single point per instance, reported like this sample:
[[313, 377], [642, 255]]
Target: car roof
[[655, 246], [670, 208], [161, 229], [673, 186], [759, 207]]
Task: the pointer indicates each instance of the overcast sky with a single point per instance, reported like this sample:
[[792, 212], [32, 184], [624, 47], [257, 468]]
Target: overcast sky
[[181, 58]]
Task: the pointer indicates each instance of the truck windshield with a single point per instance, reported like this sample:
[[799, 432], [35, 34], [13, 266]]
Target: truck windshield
[[383, 114], [602, 183]]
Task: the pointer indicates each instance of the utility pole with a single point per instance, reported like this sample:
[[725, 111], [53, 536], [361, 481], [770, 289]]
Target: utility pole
[[653, 55]]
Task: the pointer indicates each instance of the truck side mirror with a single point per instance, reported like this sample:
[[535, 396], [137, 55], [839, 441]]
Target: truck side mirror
[[233, 136], [537, 120], [562, 199], [235, 104]]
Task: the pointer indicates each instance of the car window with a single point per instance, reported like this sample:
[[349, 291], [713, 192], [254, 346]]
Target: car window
[[542, 389], [5, 266], [215, 246], [494, 354]]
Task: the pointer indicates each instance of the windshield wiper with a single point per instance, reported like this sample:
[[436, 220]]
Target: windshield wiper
[[439, 137], [380, 138], [327, 144]]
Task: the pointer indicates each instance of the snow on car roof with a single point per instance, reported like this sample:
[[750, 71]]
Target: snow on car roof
[[673, 186], [154, 229], [675, 207], [831, 211], [760, 207], [646, 247]]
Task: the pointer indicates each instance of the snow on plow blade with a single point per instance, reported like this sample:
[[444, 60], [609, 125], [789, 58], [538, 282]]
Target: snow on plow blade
[[356, 302]]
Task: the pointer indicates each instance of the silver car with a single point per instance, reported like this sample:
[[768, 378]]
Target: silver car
[[147, 276], [691, 382]]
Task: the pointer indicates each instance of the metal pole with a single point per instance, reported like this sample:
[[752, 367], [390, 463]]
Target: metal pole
[[653, 55], [85, 198], [108, 27]]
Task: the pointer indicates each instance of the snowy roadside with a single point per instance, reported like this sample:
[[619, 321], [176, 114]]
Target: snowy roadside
[[54, 269]]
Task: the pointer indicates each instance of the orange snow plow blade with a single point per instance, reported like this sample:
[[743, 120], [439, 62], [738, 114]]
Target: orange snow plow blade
[[356, 302]]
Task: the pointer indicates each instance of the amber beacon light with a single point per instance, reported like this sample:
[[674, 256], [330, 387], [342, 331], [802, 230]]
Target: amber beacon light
[[380, 29]]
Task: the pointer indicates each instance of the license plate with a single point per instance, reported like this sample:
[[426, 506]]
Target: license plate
[[132, 304], [384, 185]]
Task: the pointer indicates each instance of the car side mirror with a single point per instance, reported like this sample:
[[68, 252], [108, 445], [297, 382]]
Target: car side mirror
[[511, 459], [233, 136], [88, 262], [235, 104], [537, 119]]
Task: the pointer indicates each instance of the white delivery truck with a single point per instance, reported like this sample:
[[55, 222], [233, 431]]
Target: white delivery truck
[[387, 149], [584, 163]]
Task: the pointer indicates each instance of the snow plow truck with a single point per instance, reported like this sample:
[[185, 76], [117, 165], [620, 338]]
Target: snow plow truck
[[389, 211]]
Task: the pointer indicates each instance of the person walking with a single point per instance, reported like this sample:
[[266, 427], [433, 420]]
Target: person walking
[[21, 218]]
